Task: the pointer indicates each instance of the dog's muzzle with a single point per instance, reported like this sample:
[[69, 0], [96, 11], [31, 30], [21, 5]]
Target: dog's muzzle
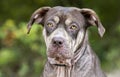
[[59, 52]]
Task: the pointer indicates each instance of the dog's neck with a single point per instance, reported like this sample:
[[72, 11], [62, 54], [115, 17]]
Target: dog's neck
[[66, 71], [56, 71], [81, 49], [63, 71]]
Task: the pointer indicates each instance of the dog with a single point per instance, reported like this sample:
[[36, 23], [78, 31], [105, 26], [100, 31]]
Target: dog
[[65, 33]]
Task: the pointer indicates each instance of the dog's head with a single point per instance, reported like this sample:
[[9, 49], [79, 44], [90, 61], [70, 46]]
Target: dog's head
[[64, 30]]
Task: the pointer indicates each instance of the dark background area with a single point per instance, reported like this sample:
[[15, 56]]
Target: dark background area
[[23, 55]]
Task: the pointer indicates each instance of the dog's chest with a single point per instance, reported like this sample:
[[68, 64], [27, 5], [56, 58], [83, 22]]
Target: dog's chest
[[63, 71]]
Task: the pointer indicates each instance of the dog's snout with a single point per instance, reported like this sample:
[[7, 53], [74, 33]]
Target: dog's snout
[[57, 41]]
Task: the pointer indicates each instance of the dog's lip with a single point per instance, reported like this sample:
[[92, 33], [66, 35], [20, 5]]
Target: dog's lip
[[61, 65], [53, 61]]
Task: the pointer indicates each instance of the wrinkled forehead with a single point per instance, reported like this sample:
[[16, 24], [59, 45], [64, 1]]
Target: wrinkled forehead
[[65, 14]]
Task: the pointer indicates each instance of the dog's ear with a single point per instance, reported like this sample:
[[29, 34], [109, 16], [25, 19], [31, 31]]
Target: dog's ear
[[92, 19], [37, 17]]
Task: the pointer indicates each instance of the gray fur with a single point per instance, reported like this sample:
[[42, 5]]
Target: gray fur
[[68, 50]]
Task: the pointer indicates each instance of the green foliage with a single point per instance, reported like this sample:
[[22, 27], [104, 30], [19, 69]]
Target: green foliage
[[6, 57], [21, 53]]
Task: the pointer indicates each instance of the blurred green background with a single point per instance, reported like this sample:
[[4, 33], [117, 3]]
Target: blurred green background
[[23, 55]]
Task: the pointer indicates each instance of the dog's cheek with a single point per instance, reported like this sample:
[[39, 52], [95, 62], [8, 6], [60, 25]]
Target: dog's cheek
[[73, 41], [79, 39], [69, 40]]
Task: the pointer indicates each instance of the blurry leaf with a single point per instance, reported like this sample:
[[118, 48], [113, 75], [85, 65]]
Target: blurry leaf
[[6, 57], [1, 74], [9, 23], [118, 63], [38, 66], [8, 26], [24, 70], [118, 28], [113, 54], [9, 39]]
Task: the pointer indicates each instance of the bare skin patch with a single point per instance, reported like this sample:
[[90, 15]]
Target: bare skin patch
[[56, 19], [68, 21]]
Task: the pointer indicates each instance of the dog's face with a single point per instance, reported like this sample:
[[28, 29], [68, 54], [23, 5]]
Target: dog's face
[[61, 28], [64, 30]]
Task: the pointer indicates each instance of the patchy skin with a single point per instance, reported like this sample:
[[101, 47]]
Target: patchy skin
[[63, 20], [75, 58], [60, 32], [56, 19], [72, 44], [68, 21]]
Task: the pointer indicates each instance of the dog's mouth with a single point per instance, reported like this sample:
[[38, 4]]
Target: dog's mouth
[[59, 56], [59, 61], [60, 65]]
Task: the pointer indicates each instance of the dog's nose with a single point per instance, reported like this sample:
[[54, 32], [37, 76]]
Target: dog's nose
[[57, 41]]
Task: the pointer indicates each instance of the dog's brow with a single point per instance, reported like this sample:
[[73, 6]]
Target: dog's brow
[[56, 19], [68, 21]]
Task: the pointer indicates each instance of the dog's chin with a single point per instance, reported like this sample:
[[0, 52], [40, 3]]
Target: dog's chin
[[53, 61], [59, 55]]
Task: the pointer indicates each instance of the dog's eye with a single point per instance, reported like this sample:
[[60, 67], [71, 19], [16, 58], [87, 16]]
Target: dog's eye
[[50, 24], [73, 27]]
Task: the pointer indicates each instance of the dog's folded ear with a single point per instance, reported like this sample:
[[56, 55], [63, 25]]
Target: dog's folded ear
[[37, 17], [93, 19]]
